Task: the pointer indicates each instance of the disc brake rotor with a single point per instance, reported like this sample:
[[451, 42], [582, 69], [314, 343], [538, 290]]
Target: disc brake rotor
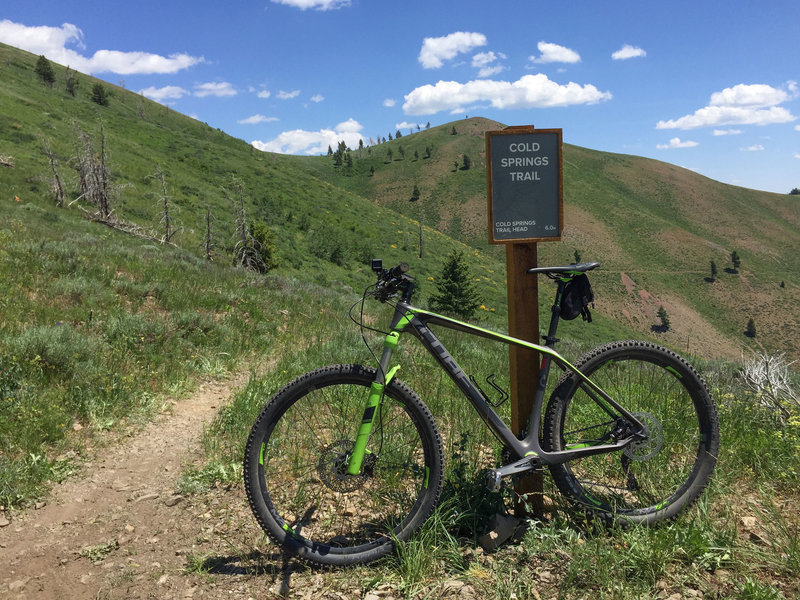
[[332, 467], [646, 449]]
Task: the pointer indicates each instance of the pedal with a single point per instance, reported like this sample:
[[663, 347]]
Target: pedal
[[492, 479]]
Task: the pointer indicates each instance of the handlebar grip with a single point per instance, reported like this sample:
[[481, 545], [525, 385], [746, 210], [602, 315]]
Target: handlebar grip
[[397, 271]]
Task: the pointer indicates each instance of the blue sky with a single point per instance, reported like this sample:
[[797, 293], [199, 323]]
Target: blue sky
[[711, 86]]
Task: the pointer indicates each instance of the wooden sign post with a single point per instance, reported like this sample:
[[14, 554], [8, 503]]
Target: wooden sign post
[[524, 181]]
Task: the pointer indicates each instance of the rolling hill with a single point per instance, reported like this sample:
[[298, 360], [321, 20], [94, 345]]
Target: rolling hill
[[655, 226]]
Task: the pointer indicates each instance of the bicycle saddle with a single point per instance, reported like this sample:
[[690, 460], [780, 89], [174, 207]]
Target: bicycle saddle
[[568, 269]]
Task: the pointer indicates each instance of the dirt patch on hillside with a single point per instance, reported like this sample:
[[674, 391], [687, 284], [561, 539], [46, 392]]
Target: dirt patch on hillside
[[688, 331]]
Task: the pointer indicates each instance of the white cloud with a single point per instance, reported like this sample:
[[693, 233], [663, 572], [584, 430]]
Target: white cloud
[[677, 143], [554, 53], [719, 132], [436, 50], [256, 119], [389, 102], [315, 4], [486, 63], [627, 51], [220, 89], [714, 116], [753, 148], [53, 42], [738, 105], [487, 72], [753, 96], [168, 92], [264, 94], [288, 95], [137, 63], [300, 141], [407, 125], [530, 91], [349, 126], [797, 155], [317, 98]]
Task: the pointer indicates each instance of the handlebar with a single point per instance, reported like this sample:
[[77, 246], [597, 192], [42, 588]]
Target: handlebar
[[391, 281]]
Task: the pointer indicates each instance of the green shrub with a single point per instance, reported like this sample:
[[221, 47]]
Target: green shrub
[[58, 349]]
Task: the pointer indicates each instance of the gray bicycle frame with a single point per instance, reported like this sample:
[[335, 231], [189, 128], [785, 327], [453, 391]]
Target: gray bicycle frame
[[408, 318]]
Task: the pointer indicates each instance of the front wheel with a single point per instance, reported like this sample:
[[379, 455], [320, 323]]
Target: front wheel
[[650, 480], [295, 467]]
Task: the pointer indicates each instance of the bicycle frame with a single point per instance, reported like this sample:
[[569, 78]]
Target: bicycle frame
[[408, 318]]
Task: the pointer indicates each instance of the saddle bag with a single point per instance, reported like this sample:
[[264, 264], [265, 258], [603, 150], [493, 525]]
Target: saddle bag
[[577, 297]]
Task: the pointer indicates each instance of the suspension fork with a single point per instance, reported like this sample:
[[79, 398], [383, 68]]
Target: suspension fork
[[382, 379]]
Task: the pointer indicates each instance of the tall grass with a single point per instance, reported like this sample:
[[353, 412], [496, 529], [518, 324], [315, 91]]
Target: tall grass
[[707, 549]]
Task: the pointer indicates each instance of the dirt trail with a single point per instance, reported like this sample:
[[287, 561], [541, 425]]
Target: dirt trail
[[119, 530]]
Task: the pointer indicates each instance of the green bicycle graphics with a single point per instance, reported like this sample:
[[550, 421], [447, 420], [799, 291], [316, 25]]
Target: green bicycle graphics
[[346, 460]]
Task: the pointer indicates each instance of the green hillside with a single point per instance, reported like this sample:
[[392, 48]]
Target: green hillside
[[656, 227]]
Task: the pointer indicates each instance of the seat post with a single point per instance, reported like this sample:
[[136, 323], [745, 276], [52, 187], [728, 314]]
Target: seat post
[[551, 339]]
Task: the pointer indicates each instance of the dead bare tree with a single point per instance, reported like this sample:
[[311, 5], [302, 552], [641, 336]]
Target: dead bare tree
[[166, 217], [56, 185], [93, 174], [70, 82], [96, 188], [245, 251], [768, 378]]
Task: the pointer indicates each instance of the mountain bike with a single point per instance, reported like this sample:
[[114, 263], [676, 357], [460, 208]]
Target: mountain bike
[[346, 461]]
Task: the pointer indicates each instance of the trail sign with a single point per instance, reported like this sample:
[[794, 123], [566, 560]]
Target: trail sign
[[524, 181]]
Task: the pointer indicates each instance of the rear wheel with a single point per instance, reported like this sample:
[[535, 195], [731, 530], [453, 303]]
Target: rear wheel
[[296, 467], [650, 480]]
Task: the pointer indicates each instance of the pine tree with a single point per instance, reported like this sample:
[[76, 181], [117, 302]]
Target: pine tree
[[45, 71], [455, 289], [99, 94], [713, 271], [751, 329], [415, 193], [664, 318], [736, 261]]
